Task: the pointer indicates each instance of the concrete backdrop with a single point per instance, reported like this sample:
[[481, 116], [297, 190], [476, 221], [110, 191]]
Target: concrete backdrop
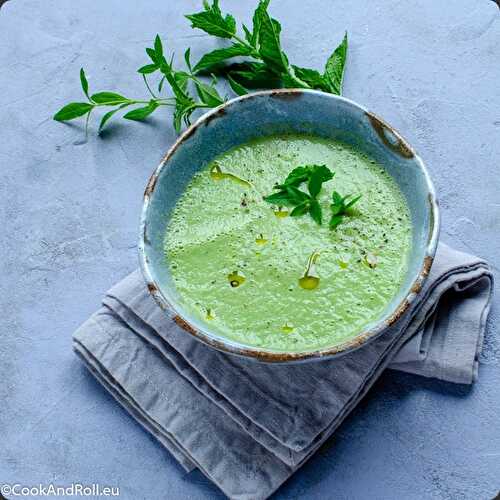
[[69, 216]]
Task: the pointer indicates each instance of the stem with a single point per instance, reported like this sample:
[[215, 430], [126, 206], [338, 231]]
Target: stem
[[289, 70], [87, 124], [147, 85], [255, 54]]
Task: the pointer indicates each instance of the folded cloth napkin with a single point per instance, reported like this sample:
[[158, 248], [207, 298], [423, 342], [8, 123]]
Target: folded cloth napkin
[[248, 426]]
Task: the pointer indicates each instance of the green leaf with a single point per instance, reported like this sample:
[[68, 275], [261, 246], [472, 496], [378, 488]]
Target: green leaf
[[85, 83], [139, 114], [182, 78], [304, 172], [152, 55], [336, 198], [158, 48], [237, 88], [248, 34], [353, 201], [335, 221], [187, 58], [312, 77], [296, 177], [219, 55], [254, 75], [334, 69], [314, 184], [299, 210], [109, 114], [212, 21], [270, 46], [72, 110], [160, 84], [315, 211], [147, 69], [108, 98], [281, 198], [208, 94], [295, 195], [260, 11]]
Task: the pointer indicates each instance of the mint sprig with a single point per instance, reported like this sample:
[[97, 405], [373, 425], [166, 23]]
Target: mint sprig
[[265, 65], [340, 207], [289, 194]]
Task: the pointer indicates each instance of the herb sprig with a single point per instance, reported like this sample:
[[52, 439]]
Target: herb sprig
[[290, 195], [264, 65], [340, 207]]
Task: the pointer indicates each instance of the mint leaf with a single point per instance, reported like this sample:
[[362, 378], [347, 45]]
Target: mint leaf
[[147, 69], [237, 87], [187, 58], [208, 94], [296, 177], [152, 55], [295, 195], [109, 114], [340, 207], [281, 198], [84, 83], [212, 21], [315, 211], [299, 210], [182, 78], [257, 21], [318, 175], [254, 75], [160, 83], [140, 114], [352, 202], [270, 46], [183, 111], [335, 221], [334, 69], [72, 110], [248, 34], [219, 55], [314, 184], [312, 77], [108, 98], [158, 47]]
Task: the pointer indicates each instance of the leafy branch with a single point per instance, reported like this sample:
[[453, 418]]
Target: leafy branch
[[262, 64]]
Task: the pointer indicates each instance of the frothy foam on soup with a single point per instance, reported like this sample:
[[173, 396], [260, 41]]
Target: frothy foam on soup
[[262, 278]]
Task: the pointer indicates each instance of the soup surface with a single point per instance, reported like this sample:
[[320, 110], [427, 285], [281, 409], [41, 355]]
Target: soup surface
[[236, 260]]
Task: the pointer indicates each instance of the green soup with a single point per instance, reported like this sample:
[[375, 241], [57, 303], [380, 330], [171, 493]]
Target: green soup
[[236, 260]]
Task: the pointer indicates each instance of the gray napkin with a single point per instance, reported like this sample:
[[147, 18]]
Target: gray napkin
[[246, 425]]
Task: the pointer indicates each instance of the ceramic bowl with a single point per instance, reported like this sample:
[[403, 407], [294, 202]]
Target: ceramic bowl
[[283, 111]]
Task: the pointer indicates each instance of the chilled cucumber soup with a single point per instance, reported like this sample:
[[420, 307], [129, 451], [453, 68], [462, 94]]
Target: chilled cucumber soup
[[236, 260]]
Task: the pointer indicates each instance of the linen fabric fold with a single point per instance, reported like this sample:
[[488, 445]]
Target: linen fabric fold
[[248, 425]]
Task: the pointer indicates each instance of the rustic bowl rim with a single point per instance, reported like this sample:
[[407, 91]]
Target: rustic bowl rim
[[232, 347]]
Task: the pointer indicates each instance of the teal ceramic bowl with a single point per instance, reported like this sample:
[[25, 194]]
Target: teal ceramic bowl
[[284, 111]]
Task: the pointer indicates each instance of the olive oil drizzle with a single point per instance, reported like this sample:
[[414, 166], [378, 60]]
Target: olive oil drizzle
[[310, 280], [217, 174]]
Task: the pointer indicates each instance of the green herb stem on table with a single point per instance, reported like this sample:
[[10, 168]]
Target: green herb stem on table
[[262, 63]]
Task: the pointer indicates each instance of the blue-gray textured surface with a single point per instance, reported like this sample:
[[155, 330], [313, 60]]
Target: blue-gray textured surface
[[70, 214]]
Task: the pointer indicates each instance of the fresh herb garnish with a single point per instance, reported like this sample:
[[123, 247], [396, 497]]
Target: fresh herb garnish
[[340, 207], [304, 203], [266, 66]]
